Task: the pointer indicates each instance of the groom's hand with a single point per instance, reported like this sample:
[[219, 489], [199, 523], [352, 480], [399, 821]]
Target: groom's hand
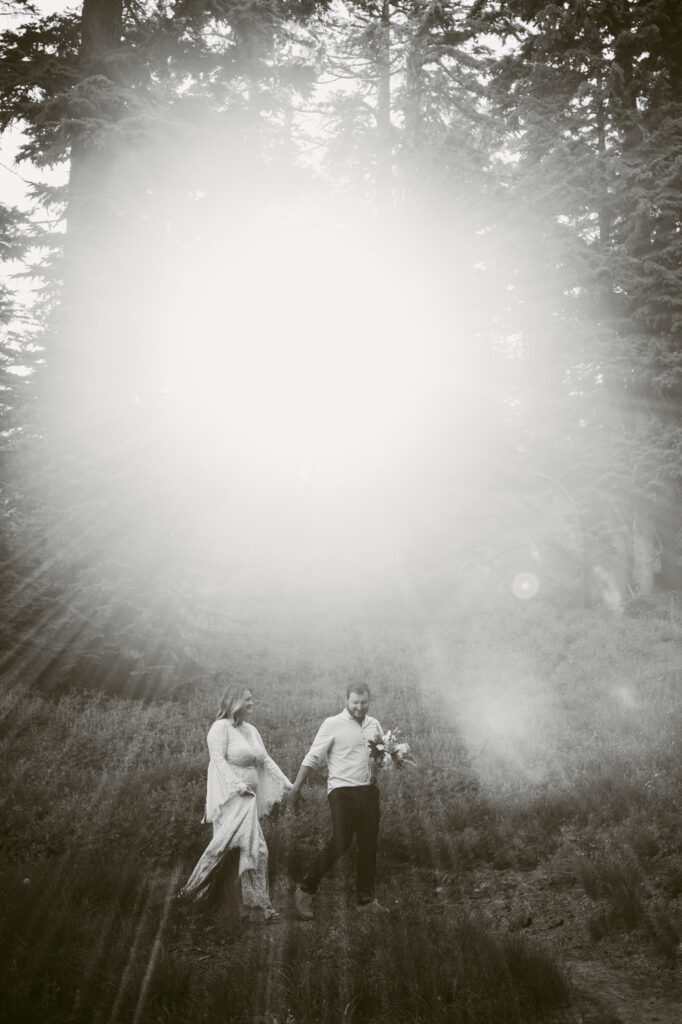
[[293, 797], [295, 791]]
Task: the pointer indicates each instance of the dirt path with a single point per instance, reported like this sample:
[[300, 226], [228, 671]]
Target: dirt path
[[617, 981], [606, 995]]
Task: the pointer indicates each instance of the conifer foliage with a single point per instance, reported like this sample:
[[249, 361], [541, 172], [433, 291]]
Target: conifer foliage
[[540, 143], [589, 96]]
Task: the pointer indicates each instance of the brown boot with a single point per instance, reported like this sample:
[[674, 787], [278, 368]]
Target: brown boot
[[304, 904]]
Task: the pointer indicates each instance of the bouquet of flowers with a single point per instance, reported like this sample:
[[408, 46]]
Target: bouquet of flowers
[[389, 749]]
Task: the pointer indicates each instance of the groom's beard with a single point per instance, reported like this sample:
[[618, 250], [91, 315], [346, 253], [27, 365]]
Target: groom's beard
[[359, 716]]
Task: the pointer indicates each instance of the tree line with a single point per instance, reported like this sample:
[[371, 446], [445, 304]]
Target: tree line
[[540, 143]]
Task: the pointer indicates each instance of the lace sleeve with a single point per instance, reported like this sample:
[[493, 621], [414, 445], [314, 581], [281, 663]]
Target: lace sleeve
[[223, 782], [272, 782]]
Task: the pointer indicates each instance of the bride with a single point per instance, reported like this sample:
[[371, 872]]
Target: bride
[[243, 784]]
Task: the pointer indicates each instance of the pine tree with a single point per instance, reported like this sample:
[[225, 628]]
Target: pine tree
[[590, 95], [161, 119]]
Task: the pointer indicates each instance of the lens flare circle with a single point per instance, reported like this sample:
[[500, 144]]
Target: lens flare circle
[[525, 586]]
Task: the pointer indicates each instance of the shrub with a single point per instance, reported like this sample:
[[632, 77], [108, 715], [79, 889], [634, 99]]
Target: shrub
[[616, 879]]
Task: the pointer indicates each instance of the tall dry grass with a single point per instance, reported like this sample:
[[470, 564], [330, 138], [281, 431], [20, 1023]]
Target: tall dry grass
[[542, 737]]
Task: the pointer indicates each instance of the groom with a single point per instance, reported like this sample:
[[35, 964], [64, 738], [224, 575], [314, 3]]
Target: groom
[[342, 742]]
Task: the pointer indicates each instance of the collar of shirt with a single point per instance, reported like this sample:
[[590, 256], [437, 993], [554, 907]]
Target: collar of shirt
[[347, 715]]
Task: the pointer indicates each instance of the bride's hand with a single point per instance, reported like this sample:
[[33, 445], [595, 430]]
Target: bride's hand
[[293, 798]]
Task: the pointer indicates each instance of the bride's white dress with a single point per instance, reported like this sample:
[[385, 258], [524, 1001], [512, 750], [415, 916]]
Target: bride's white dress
[[238, 761]]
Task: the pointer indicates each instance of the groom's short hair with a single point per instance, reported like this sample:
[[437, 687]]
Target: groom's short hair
[[358, 688]]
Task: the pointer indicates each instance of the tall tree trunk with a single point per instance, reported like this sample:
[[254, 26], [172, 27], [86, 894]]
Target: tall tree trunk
[[412, 135], [384, 176], [101, 30], [643, 565], [81, 364], [643, 548], [604, 212], [643, 528]]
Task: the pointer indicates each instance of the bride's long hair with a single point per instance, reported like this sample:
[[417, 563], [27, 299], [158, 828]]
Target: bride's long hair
[[232, 703]]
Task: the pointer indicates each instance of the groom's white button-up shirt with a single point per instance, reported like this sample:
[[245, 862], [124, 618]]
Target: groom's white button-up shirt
[[344, 744]]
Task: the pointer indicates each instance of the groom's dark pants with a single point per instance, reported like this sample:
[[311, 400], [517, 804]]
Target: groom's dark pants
[[355, 812]]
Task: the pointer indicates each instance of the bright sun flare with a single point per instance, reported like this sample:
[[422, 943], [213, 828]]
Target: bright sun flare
[[298, 378], [304, 347]]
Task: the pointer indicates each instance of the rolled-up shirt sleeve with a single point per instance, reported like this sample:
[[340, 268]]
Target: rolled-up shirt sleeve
[[317, 755]]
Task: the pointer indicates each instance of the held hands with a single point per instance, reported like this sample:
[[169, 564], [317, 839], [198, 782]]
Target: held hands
[[245, 790], [295, 791], [293, 797]]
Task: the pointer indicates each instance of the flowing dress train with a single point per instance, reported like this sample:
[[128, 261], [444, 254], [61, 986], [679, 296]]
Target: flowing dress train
[[238, 759]]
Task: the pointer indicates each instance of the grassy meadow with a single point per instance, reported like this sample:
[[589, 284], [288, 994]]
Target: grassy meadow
[[536, 844]]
